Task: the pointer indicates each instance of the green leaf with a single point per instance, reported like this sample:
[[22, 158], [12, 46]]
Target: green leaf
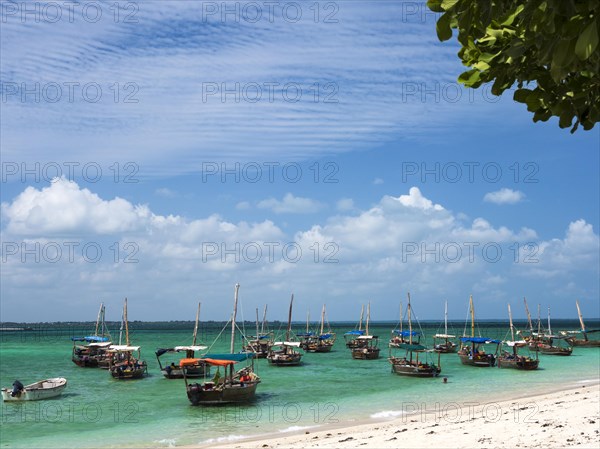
[[444, 32], [587, 41], [435, 5], [469, 77], [521, 95], [563, 54], [447, 4]]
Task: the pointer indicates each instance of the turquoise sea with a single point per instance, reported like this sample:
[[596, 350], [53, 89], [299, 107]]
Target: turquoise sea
[[96, 411]]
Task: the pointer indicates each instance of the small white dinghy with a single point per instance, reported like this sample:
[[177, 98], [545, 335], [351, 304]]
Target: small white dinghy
[[44, 389]]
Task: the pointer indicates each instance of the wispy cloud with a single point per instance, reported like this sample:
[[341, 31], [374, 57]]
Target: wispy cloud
[[504, 196], [291, 204], [182, 83]]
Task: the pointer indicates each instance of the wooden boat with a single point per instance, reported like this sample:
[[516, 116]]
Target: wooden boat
[[93, 355], [319, 343], [471, 351], [124, 362], [584, 342], [283, 353], [235, 386], [351, 337], [443, 343], [366, 344], [512, 359], [401, 336], [44, 389], [410, 365], [175, 371], [261, 343], [547, 343]]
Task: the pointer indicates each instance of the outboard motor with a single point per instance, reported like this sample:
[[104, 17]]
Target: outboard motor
[[17, 388]]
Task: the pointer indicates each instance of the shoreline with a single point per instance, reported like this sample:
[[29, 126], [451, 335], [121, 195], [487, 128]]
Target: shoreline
[[523, 419]]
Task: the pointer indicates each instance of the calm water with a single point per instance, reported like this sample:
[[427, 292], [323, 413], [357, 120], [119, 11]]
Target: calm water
[[97, 411]]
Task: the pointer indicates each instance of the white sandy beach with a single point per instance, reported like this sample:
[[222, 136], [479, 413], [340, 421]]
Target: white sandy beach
[[551, 420]]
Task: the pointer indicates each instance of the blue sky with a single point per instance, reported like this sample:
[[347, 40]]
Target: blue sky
[[140, 97]]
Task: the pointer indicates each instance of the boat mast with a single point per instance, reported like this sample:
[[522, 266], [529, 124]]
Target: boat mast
[[126, 323], [235, 302], [368, 318], [262, 327], [409, 312], [446, 318], [196, 325], [539, 321], [322, 319], [401, 319], [362, 310], [307, 319], [528, 316], [581, 320], [289, 326], [98, 319], [257, 335], [512, 329], [472, 316], [549, 328], [121, 330]]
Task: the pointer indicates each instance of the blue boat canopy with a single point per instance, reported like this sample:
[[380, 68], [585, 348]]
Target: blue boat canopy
[[240, 357], [306, 334], [355, 332], [324, 336], [406, 333], [479, 340], [91, 339]]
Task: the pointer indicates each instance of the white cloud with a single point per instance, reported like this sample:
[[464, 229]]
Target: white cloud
[[291, 204], [400, 243], [242, 205], [378, 181], [345, 205], [165, 192], [64, 207], [504, 196]]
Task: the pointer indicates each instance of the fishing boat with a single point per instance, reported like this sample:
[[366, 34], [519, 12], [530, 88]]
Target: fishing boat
[[318, 342], [261, 343], [415, 363], [175, 371], [443, 343], [584, 342], [512, 359], [235, 386], [471, 352], [284, 353], [44, 389], [351, 337], [550, 344], [367, 344], [124, 362], [401, 336], [93, 355]]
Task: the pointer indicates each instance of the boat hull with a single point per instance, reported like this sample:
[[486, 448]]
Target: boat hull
[[584, 343], [446, 348], [46, 389], [121, 372], [405, 368], [209, 394], [365, 353], [190, 373], [285, 359], [521, 363], [479, 360]]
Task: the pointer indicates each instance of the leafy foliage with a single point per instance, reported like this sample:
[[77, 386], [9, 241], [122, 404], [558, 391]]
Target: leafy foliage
[[550, 46]]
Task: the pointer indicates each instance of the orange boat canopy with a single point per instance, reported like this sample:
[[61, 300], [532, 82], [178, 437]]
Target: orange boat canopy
[[214, 362]]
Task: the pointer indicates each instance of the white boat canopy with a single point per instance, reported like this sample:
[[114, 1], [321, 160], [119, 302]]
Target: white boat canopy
[[105, 344], [295, 344], [190, 348], [124, 348], [518, 344], [444, 336], [365, 337]]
